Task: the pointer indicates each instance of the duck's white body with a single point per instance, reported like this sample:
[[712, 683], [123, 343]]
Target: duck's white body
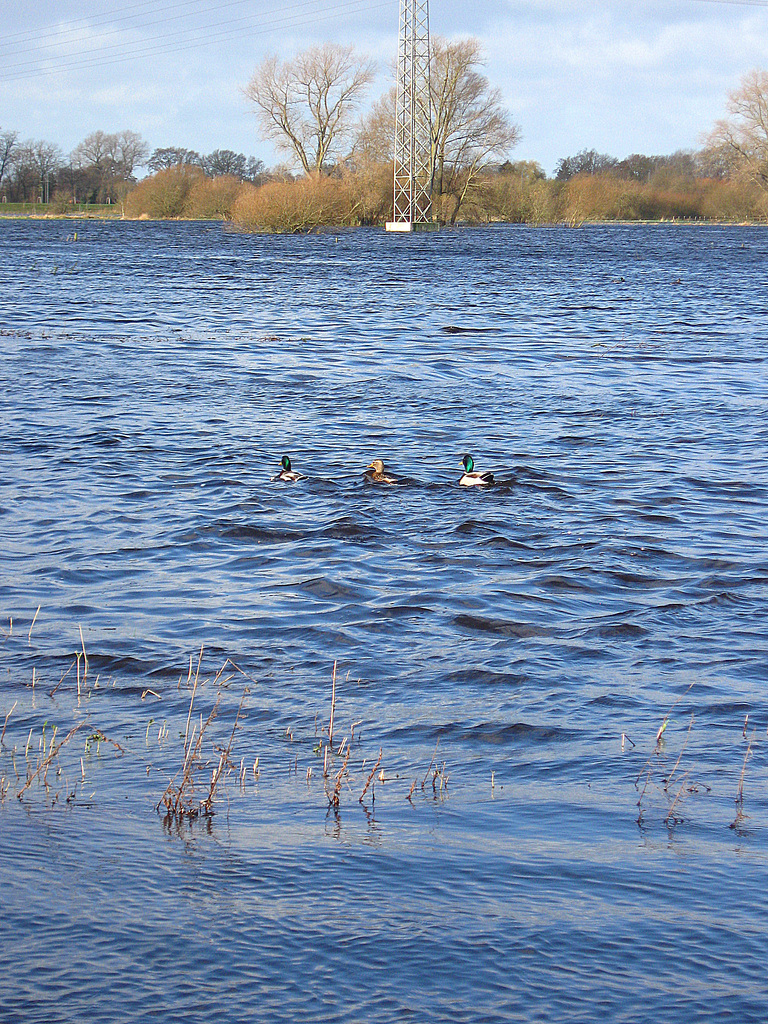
[[476, 479], [472, 477], [286, 474]]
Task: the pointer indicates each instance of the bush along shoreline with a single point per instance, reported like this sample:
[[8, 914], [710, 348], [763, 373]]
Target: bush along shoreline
[[315, 202]]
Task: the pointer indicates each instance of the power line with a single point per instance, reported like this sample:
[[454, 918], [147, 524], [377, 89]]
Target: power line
[[101, 48], [735, 3], [94, 56], [197, 37], [94, 19]]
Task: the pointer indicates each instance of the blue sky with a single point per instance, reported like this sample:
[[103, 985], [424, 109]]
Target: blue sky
[[612, 75]]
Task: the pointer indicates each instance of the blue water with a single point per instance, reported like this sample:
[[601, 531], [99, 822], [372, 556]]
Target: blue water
[[526, 850]]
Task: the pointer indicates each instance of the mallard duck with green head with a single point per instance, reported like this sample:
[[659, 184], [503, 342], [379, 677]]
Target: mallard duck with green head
[[473, 477], [286, 473], [375, 474]]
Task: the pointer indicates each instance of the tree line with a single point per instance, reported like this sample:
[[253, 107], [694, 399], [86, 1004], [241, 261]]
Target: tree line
[[339, 162], [102, 168]]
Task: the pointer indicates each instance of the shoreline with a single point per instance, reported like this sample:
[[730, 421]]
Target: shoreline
[[107, 217]]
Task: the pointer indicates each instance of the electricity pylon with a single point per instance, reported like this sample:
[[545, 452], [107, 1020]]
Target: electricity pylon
[[413, 122]]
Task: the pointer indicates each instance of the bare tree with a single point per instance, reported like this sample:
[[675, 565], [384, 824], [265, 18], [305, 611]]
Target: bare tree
[[35, 166], [255, 171], [375, 138], [224, 161], [172, 156], [741, 140], [128, 151], [93, 151], [104, 163], [588, 161], [470, 124], [306, 104], [8, 140]]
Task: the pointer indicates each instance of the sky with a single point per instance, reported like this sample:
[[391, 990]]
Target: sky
[[617, 76]]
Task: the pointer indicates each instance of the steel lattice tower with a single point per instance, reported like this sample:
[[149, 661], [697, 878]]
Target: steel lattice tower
[[413, 122]]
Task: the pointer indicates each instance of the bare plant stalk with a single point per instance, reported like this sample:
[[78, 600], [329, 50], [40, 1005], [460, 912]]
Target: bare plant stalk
[[648, 779], [44, 764], [370, 777], [5, 724], [740, 797], [85, 656], [679, 794], [63, 678], [677, 762], [29, 635], [178, 799], [335, 796], [333, 707], [192, 701], [662, 727], [434, 752]]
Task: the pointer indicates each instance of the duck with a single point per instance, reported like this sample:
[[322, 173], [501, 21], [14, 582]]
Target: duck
[[286, 473], [472, 477], [375, 474]]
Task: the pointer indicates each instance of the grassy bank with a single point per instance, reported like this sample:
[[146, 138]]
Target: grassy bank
[[107, 211]]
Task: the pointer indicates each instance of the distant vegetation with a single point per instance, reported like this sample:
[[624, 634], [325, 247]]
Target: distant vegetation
[[340, 165]]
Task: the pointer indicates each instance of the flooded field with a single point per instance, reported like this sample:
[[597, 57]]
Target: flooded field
[[545, 796]]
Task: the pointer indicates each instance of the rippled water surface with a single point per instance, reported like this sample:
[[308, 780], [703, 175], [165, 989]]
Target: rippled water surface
[[526, 849]]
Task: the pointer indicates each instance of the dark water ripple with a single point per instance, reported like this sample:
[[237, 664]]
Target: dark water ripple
[[529, 639]]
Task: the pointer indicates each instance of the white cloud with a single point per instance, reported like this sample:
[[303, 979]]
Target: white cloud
[[619, 77]]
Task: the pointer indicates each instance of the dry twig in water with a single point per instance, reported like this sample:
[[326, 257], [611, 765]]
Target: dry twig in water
[[682, 750], [370, 777], [46, 762], [740, 794], [5, 724], [29, 635], [334, 798], [670, 819]]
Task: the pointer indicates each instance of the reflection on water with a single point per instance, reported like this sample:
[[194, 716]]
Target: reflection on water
[[526, 848]]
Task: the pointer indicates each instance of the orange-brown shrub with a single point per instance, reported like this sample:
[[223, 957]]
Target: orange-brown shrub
[[291, 207], [163, 195], [735, 202], [372, 193], [213, 198]]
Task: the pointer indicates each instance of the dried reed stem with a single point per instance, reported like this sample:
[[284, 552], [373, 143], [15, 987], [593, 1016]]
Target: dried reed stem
[[29, 635], [85, 656], [5, 724], [44, 764], [434, 752], [370, 777], [647, 780], [679, 794], [192, 701], [63, 678], [335, 796], [333, 707], [740, 796], [682, 750], [660, 733]]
